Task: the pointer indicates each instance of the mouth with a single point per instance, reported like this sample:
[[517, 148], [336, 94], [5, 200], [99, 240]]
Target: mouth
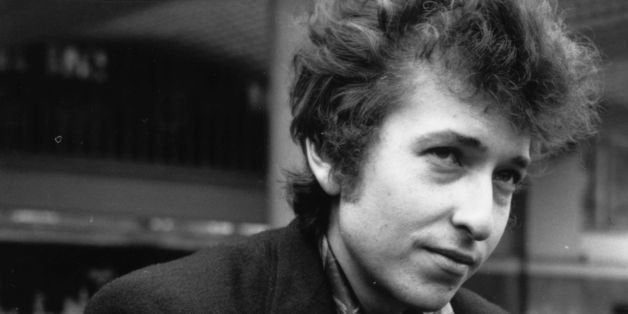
[[453, 261], [457, 256]]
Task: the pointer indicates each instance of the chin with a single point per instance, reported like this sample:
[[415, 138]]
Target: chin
[[430, 299], [432, 304]]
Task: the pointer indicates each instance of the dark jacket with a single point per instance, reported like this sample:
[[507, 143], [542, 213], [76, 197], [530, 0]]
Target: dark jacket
[[277, 271]]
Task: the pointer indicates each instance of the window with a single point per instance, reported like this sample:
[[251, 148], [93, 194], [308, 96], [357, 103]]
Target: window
[[607, 194]]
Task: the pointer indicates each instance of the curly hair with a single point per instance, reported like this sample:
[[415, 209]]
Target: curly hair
[[353, 71]]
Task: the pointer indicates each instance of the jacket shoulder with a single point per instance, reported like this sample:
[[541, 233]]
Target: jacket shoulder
[[228, 278]]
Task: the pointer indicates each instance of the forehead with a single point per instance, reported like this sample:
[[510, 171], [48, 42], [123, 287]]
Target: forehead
[[434, 103], [431, 86]]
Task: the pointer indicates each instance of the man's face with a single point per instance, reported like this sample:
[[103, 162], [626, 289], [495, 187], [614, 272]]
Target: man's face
[[432, 203]]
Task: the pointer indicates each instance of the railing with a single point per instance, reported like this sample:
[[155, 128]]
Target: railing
[[126, 104]]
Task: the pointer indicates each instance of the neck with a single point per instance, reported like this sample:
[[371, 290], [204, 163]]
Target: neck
[[372, 297]]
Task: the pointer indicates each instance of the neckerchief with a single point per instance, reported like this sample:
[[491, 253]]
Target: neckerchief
[[344, 297]]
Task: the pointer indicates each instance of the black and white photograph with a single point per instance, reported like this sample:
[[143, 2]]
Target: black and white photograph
[[314, 156]]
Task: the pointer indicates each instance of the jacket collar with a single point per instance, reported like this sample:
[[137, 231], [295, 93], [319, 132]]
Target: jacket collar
[[300, 284]]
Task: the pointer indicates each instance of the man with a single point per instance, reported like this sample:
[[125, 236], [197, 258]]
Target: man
[[418, 120]]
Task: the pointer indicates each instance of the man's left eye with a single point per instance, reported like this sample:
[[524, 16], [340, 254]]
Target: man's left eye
[[508, 176]]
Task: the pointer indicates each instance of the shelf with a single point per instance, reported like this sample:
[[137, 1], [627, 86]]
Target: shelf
[[560, 269], [40, 226]]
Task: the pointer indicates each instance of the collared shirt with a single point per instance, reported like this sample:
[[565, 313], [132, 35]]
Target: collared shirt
[[344, 297]]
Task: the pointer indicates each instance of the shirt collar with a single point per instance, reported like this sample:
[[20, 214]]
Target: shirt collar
[[344, 298]]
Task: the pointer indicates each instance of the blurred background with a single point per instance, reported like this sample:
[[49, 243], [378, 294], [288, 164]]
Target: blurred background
[[134, 132]]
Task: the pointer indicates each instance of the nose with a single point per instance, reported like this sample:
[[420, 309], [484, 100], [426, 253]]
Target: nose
[[474, 211]]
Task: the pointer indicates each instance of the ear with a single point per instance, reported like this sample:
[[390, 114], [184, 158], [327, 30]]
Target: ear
[[322, 169]]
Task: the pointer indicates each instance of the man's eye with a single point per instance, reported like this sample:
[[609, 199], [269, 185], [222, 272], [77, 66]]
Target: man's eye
[[512, 177], [447, 155]]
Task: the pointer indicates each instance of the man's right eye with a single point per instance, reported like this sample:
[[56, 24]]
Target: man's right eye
[[446, 155]]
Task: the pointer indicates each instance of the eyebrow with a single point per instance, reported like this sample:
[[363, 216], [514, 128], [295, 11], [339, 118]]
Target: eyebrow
[[521, 162], [467, 141]]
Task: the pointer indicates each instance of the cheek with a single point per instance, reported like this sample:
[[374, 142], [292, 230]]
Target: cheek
[[396, 197], [378, 215], [501, 221], [402, 207]]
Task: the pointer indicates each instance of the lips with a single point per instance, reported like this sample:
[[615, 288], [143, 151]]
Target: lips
[[453, 262], [456, 256]]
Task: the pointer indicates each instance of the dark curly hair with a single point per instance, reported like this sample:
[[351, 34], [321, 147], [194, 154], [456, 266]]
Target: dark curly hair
[[354, 70]]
